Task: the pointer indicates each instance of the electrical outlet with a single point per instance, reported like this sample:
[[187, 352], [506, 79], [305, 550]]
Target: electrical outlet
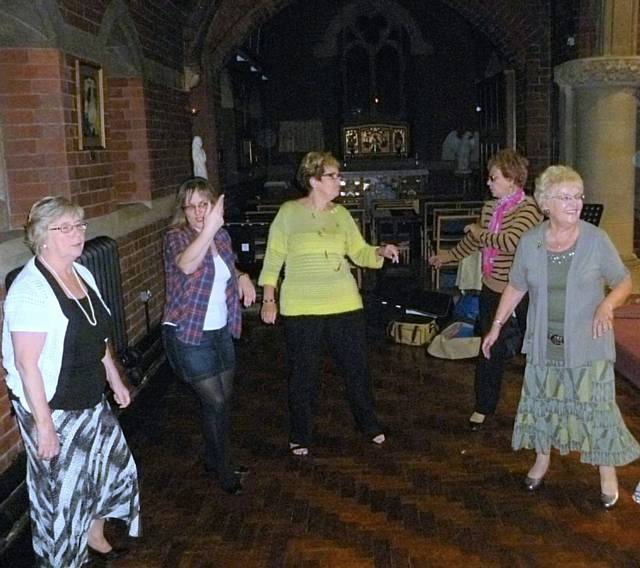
[[144, 296]]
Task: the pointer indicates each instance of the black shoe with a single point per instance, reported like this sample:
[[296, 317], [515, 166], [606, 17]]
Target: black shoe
[[115, 553], [237, 470], [234, 488]]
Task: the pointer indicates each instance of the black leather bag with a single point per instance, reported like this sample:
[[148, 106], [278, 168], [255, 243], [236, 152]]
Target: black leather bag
[[510, 342]]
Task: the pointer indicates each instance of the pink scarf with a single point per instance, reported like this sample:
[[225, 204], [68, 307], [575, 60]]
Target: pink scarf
[[505, 205]]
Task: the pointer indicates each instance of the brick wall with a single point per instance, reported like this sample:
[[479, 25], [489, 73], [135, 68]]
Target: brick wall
[[142, 269], [32, 111], [169, 138], [128, 134], [148, 131]]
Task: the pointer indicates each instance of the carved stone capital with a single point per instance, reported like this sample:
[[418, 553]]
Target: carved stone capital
[[610, 71]]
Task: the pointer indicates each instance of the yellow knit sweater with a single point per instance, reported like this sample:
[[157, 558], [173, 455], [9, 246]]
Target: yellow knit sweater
[[314, 246]]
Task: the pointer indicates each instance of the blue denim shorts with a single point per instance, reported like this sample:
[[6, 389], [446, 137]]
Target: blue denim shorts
[[214, 355]]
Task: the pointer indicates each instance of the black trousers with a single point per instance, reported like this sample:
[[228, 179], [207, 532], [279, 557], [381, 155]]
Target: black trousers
[[488, 377], [345, 336]]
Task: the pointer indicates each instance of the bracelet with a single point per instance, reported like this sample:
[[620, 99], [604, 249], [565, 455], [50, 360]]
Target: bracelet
[[271, 301], [498, 322], [241, 274]]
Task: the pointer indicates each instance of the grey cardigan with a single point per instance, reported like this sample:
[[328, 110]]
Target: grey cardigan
[[596, 264]]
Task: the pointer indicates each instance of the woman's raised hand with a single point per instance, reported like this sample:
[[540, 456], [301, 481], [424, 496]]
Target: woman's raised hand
[[214, 216]]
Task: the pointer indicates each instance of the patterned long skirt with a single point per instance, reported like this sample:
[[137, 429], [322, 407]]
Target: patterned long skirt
[[94, 476], [573, 409]]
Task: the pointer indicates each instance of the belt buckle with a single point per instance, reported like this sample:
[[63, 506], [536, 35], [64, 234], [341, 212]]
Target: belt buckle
[[556, 339]]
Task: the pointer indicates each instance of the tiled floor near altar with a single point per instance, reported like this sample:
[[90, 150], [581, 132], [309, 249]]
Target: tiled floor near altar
[[435, 496]]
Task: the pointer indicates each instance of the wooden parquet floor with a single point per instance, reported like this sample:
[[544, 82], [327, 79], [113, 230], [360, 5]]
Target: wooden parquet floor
[[436, 495]]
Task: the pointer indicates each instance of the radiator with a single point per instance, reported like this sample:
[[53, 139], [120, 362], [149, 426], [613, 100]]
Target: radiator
[[100, 256]]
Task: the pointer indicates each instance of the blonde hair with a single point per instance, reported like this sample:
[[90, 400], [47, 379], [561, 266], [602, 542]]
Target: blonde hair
[[313, 165], [185, 191], [44, 213], [555, 175]]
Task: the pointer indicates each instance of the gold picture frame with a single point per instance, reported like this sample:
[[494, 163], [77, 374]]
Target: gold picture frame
[[90, 105]]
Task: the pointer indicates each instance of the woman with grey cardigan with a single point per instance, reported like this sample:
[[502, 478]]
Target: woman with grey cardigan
[[568, 394]]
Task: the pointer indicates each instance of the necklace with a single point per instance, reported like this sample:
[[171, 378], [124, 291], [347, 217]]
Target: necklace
[[92, 320], [561, 258]]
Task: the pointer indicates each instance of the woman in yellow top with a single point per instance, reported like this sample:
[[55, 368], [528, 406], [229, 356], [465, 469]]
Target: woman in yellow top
[[319, 298]]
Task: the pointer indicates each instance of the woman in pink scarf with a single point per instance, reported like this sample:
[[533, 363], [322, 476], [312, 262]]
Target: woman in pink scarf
[[502, 222]]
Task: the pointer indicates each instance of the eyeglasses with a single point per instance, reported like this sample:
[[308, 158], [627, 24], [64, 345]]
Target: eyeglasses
[[566, 198], [69, 227], [202, 206], [492, 178], [333, 175]]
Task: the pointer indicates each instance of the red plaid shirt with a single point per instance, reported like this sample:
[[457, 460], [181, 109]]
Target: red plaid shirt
[[187, 295]]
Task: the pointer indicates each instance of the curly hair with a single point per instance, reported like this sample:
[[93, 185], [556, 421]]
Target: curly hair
[[555, 175], [512, 164], [313, 165], [42, 215]]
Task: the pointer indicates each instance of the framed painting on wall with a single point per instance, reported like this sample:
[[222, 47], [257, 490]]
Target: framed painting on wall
[[90, 105]]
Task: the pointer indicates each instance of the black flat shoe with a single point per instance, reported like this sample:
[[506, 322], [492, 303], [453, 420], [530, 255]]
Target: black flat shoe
[[115, 553], [234, 489], [237, 470]]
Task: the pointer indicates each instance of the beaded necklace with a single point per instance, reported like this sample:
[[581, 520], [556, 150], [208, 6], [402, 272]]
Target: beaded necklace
[[92, 320]]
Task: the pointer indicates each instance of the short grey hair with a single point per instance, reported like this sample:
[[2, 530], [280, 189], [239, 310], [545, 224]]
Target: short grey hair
[[44, 213], [555, 175]]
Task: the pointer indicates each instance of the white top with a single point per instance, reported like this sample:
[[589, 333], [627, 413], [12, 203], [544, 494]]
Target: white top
[[32, 305], [216, 316]]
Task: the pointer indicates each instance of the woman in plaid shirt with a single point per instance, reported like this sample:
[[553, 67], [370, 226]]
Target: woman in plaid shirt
[[202, 315]]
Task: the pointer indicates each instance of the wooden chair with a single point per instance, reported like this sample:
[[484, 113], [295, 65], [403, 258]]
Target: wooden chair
[[449, 231]]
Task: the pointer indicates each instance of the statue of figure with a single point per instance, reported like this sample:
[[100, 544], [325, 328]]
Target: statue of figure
[[199, 158], [463, 154]]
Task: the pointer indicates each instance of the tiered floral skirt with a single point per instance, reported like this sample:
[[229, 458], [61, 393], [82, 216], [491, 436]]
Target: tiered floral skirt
[[573, 409]]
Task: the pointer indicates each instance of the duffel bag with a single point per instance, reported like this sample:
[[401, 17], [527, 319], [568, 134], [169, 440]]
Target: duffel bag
[[413, 331]]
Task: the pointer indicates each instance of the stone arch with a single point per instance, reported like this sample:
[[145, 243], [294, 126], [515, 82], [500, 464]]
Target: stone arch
[[121, 42], [520, 34], [396, 14], [30, 24], [505, 28]]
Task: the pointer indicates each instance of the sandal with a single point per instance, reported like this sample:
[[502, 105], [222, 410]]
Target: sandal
[[379, 439], [298, 450]]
